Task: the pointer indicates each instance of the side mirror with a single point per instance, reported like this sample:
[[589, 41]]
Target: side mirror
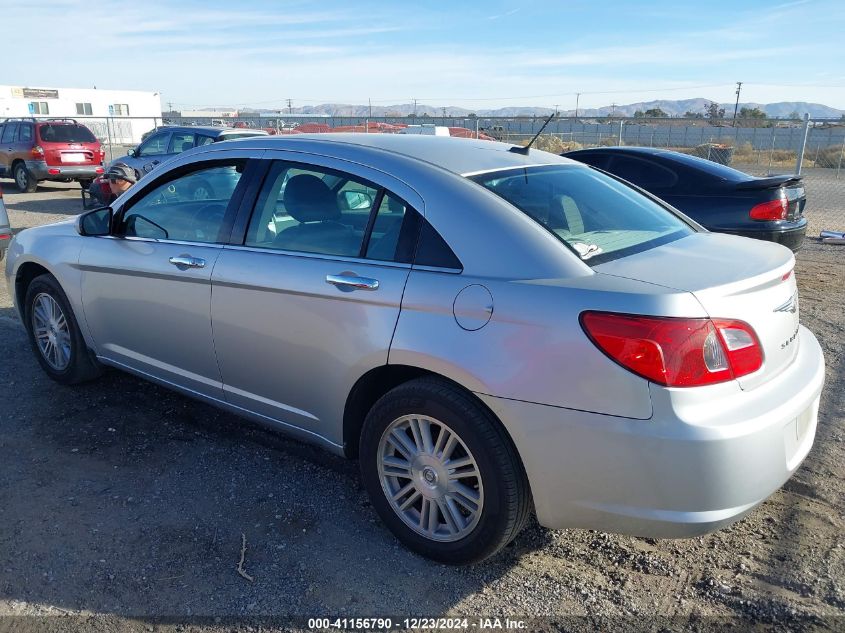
[[132, 152], [95, 223]]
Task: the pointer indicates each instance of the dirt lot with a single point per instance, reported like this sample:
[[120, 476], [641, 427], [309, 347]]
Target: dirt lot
[[122, 503]]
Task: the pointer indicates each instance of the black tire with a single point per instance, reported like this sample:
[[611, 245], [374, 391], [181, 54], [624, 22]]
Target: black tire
[[82, 365], [506, 494], [24, 179], [85, 183]]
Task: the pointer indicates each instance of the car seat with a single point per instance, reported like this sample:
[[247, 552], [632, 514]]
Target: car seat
[[309, 201]]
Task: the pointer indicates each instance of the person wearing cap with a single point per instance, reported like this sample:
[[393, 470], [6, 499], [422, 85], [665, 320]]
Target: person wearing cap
[[119, 177]]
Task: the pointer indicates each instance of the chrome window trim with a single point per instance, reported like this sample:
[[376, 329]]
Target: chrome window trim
[[322, 256], [470, 174]]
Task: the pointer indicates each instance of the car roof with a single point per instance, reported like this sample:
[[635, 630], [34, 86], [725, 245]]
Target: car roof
[[211, 130], [695, 163], [459, 155]]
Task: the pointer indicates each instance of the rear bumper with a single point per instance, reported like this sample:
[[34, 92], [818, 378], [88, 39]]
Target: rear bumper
[[792, 236], [706, 458], [40, 170]]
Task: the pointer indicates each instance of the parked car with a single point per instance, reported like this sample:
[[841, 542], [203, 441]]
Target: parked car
[[719, 198], [167, 142], [48, 149], [487, 329], [5, 228]]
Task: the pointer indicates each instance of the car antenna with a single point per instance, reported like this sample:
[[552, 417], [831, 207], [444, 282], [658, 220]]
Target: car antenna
[[516, 149]]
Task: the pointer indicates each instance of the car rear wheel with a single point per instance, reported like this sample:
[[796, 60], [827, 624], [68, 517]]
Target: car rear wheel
[[23, 179], [54, 334], [442, 473]]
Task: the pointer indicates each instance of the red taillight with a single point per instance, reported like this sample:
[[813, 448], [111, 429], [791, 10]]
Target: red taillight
[[5, 236], [37, 151], [53, 171], [99, 170], [676, 352], [773, 210]]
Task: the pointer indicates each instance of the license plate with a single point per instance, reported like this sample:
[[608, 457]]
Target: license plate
[[73, 157]]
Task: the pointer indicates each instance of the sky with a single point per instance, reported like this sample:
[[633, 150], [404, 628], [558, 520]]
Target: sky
[[476, 55]]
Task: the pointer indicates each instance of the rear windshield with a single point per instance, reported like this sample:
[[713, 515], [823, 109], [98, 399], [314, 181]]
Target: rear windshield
[[713, 168], [596, 216], [65, 133]]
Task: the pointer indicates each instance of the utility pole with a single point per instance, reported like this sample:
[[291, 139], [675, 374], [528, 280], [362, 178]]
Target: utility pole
[[370, 102], [415, 108], [290, 107], [736, 107], [556, 107], [612, 110], [170, 106], [577, 99]]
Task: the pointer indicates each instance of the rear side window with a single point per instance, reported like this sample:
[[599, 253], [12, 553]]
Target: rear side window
[[64, 133], [180, 142], [596, 216]]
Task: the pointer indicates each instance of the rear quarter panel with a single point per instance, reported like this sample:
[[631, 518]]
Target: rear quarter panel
[[533, 348]]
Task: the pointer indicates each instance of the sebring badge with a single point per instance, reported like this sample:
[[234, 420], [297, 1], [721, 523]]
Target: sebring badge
[[791, 305]]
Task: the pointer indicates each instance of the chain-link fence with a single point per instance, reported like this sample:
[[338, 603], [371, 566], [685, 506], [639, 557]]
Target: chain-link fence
[[813, 148]]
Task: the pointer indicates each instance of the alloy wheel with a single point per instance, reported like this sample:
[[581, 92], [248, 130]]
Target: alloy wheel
[[51, 331], [430, 478]]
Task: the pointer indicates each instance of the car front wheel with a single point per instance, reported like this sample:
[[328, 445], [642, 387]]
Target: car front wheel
[[442, 472], [54, 334]]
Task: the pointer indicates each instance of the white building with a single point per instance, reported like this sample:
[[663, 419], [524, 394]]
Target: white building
[[119, 115]]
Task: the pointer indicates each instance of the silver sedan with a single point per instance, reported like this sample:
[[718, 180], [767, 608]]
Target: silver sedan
[[490, 331]]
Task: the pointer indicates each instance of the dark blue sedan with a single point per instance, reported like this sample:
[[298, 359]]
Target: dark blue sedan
[[719, 198]]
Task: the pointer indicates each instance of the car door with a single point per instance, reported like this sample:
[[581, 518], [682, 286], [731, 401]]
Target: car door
[[152, 152], [146, 288], [307, 300], [7, 147]]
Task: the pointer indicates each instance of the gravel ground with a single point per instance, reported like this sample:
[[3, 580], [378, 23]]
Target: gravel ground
[[122, 503]]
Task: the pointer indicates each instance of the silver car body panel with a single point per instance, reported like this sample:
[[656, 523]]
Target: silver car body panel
[[602, 447]]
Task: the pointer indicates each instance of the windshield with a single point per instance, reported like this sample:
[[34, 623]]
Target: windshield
[[596, 216], [64, 133]]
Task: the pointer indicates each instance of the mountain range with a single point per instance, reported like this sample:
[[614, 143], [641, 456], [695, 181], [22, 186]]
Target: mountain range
[[783, 109]]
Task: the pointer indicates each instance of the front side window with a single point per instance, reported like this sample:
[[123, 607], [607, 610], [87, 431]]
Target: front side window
[[10, 131], [190, 207], [180, 142], [154, 146], [596, 216], [311, 211]]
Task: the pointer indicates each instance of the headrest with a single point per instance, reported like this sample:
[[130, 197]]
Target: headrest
[[309, 199]]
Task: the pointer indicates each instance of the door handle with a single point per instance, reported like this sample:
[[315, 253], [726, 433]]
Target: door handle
[[352, 282], [185, 261]]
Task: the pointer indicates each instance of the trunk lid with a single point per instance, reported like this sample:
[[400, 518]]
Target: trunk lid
[[732, 277]]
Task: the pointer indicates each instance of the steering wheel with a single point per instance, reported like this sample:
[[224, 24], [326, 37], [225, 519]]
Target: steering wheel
[[207, 220]]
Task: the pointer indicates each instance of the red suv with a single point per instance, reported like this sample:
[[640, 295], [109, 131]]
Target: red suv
[[49, 149]]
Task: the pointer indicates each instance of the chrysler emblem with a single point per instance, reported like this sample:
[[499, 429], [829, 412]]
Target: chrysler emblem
[[791, 305]]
